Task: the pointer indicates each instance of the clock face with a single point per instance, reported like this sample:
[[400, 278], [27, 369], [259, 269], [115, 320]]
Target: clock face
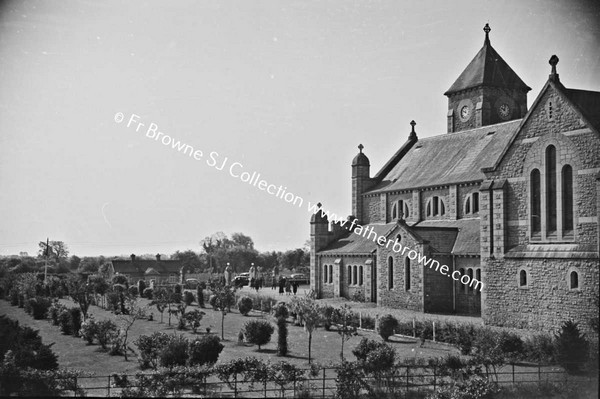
[[464, 112], [504, 111]]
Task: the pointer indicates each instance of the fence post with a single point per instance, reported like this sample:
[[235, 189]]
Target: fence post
[[265, 388], [434, 331], [414, 332], [360, 319], [108, 386], [407, 368], [539, 374], [513, 372], [235, 385], [75, 388], [323, 381]]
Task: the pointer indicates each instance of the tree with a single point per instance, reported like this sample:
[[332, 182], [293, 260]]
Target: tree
[[571, 347], [127, 319], [189, 259], [225, 299], [55, 249], [212, 244], [81, 292], [90, 264], [242, 240], [309, 312], [160, 300], [282, 333], [258, 332], [193, 319], [346, 325], [99, 286], [74, 262]]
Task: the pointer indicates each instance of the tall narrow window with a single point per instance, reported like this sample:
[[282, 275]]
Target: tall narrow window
[[535, 197], [435, 203], [349, 275], [429, 208], [522, 278], [468, 206], [442, 208], [330, 274], [394, 211], [407, 274], [325, 276], [551, 189], [574, 283], [478, 277], [567, 199], [475, 202], [390, 273], [470, 273], [360, 275], [355, 275]]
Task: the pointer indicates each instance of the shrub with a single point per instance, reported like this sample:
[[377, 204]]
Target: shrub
[[148, 292], [141, 286], [178, 289], [54, 311], [193, 319], [364, 347], [258, 332], [213, 300], [200, 295], [387, 325], [244, 305], [113, 300], [133, 291], [511, 345], [465, 337], [14, 296], [75, 320], [175, 353], [328, 316], [280, 310], [282, 333], [540, 349], [106, 330], [64, 321], [205, 350], [89, 329], [188, 298], [571, 347], [39, 307], [26, 346], [368, 322], [150, 348]]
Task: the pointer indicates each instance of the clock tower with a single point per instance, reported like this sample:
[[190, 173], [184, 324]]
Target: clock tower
[[487, 92]]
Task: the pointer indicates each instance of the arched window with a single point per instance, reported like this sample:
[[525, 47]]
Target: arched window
[[468, 205], [390, 273], [574, 280], [395, 211], [551, 189], [407, 274], [330, 274], [536, 208], [429, 208], [567, 199], [435, 206], [355, 275], [470, 273], [523, 278], [325, 277], [478, 277], [360, 276], [349, 275], [475, 202]]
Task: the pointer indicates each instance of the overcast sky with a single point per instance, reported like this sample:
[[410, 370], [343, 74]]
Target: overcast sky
[[286, 88]]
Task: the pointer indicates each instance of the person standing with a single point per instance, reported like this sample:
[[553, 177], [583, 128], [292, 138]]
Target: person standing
[[288, 288], [281, 285], [295, 287]]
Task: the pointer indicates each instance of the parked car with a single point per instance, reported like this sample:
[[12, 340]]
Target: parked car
[[299, 278], [240, 281]]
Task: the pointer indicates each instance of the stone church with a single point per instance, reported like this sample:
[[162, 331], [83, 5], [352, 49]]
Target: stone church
[[509, 196]]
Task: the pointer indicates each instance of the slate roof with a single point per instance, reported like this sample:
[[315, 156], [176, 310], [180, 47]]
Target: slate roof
[[457, 237], [588, 103], [142, 265], [357, 244], [448, 158], [487, 69]]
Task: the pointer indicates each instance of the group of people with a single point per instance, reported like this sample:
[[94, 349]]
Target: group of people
[[256, 283], [285, 285]]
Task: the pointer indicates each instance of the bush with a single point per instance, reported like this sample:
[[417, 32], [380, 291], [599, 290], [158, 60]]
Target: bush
[[39, 307], [88, 330], [540, 349], [387, 325], [141, 285], [258, 332], [328, 316], [280, 310], [465, 337], [200, 295], [282, 333], [54, 311], [148, 292], [178, 289], [214, 302], [244, 305], [150, 348], [571, 347], [175, 353], [205, 350], [75, 320], [133, 291], [26, 346], [13, 296], [65, 323], [511, 345], [368, 322], [193, 319], [106, 330], [188, 298]]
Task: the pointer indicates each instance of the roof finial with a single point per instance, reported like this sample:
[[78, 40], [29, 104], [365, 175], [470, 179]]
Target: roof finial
[[360, 147], [487, 30], [553, 75], [413, 134]]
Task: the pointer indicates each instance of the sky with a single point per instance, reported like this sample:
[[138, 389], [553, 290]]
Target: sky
[[286, 89]]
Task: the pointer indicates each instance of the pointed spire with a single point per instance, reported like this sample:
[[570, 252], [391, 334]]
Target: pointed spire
[[487, 30], [553, 75], [413, 134]]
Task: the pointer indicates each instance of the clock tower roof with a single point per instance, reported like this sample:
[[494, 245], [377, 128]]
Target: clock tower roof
[[487, 69]]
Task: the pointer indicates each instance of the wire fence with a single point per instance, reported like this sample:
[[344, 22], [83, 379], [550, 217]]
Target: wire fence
[[324, 382]]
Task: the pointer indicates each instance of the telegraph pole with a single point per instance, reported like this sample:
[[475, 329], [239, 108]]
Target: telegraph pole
[[46, 262]]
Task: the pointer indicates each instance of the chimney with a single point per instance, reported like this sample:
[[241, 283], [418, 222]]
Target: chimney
[[158, 257], [133, 257]]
